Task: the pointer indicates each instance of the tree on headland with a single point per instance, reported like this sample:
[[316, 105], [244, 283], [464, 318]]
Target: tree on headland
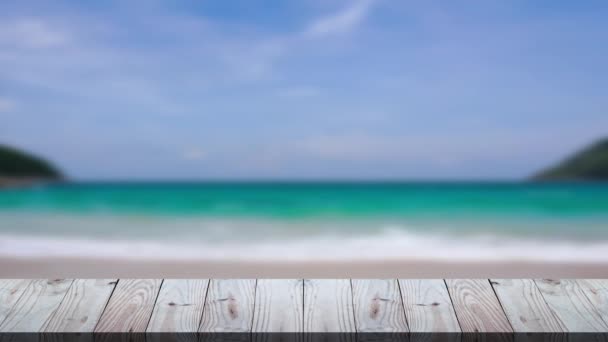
[[19, 165], [591, 163]]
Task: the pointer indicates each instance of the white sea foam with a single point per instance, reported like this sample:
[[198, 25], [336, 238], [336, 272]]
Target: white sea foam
[[28, 235], [389, 245]]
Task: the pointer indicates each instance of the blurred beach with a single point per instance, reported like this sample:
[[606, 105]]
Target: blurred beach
[[165, 140], [308, 229]]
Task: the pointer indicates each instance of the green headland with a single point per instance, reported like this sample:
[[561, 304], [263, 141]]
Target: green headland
[[21, 168], [590, 163]]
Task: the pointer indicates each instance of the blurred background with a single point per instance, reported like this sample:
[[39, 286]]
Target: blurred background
[[304, 130]]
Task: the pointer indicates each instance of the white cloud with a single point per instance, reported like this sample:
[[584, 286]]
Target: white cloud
[[255, 59], [341, 22], [6, 105], [32, 34]]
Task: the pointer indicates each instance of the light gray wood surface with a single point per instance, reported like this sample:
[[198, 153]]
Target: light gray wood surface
[[279, 305], [36, 305], [312, 305], [82, 306], [10, 291], [428, 307], [597, 292], [476, 306], [130, 307], [378, 306], [570, 304], [179, 307], [525, 306], [229, 306], [328, 306]]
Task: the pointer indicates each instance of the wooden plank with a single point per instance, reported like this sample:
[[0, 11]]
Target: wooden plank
[[10, 291], [571, 306], [229, 306], [36, 305], [328, 306], [378, 306], [279, 305], [82, 306], [428, 307], [130, 306], [476, 306], [179, 306], [597, 292], [525, 306]]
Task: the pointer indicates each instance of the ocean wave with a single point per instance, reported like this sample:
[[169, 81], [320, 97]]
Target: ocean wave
[[181, 229], [389, 245]]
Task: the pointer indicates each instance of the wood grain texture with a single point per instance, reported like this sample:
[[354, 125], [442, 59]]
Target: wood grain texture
[[229, 306], [279, 305], [525, 306], [82, 306], [328, 306], [597, 292], [378, 306], [130, 306], [570, 304], [10, 291], [36, 305], [476, 306], [428, 307], [179, 307], [292, 306]]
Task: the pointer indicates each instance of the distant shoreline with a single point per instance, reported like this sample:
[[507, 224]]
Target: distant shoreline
[[26, 181]]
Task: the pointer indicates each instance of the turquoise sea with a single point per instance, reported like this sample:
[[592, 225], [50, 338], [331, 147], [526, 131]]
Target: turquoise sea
[[306, 215]]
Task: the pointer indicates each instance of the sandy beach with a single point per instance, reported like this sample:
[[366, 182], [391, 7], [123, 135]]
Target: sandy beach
[[61, 267]]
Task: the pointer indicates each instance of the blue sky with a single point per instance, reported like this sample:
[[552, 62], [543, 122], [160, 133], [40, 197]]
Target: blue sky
[[303, 89]]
